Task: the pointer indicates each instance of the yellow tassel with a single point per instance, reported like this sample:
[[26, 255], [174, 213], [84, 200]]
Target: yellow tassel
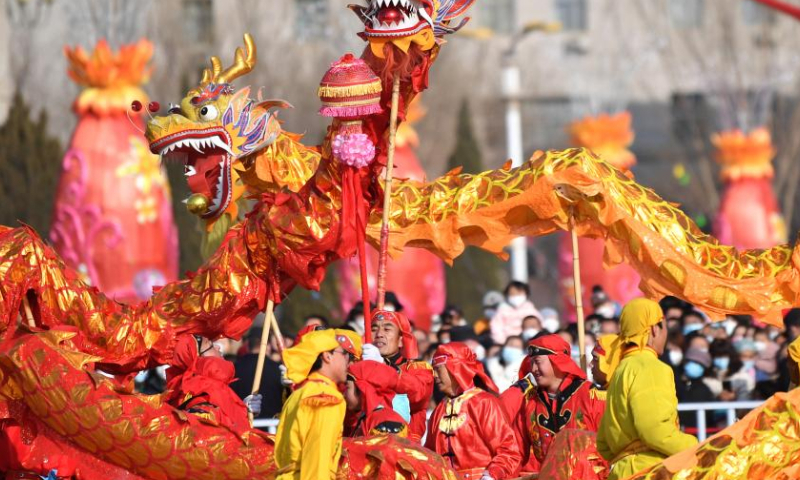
[[334, 91]]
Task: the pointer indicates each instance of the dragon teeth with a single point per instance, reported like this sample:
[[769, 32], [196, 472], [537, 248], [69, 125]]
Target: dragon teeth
[[190, 171]]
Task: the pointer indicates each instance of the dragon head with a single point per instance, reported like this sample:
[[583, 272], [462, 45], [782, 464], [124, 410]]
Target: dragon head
[[403, 22], [212, 130]]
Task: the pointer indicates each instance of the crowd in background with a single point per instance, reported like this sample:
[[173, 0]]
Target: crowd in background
[[736, 359]]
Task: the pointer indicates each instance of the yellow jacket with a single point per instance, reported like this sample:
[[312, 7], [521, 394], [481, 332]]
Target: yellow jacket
[[640, 424], [309, 440]]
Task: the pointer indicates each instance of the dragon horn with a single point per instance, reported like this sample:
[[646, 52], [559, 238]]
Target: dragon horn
[[243, 63]]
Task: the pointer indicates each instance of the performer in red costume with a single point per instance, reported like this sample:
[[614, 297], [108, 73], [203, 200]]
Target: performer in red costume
[[561, 398], [198, 382], [370, 390], [395, 344], [469, 428]]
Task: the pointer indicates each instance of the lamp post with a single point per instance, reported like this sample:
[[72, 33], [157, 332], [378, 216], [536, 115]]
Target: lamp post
[[511, 91]]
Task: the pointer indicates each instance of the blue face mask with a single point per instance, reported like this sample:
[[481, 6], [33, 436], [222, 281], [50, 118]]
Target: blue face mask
[[401, 405], [748, 364], [692, 327], [512, 355], [722, 363], [693, 370]]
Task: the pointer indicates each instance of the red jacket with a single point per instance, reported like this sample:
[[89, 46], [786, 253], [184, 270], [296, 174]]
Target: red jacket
[[416, 381], [537, 419], [472, 433]]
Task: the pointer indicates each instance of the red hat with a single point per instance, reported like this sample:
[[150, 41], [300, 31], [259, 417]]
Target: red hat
[[558, 351], [377, 383], [410, 350], [462, 364], [350, 89]]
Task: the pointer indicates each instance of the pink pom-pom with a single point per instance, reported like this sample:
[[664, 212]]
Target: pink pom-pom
[[355, 149]]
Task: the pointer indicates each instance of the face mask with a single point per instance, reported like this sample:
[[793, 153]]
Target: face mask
[[710, 338], [512, 355], [760, 346], [516, 300], [748, 364], [489, 313], [389, 307], [575, 353], [692, 327], [693, 370], [773, 334], [358, 324], [730, 326], [722, 363], [675, 357], [551, 325], [607, 310], [529, 333], [480, 352]]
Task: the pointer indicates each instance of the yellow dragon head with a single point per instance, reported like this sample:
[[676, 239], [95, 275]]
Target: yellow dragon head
[[403, 22], [214, 131]]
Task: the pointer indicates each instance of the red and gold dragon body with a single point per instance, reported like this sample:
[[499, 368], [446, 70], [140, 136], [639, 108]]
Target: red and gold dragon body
[[54, 329]]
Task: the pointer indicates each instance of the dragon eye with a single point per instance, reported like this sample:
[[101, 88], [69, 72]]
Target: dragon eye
[[208, 113]]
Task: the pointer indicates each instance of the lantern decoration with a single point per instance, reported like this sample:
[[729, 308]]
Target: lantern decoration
[[748, 215], [113, 211]]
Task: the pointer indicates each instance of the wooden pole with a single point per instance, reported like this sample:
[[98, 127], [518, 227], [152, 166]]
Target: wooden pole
[[28, 312], [387, 196], [576, 278], [262, 352]]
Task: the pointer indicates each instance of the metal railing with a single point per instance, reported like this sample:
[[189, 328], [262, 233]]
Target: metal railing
[[729, 407]]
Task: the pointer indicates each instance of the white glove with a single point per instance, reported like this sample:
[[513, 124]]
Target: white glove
[[253, 403], [371, 352], [486, 476], [284, 379]]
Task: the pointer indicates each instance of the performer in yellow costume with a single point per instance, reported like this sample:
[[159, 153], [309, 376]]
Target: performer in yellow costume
[[309, 440], [640, 424]]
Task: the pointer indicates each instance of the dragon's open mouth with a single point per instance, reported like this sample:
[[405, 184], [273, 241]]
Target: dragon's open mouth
[[206, 155], [395, 18]]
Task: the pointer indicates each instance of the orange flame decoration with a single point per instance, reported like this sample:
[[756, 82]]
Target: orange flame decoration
[[744, 155], [113, 80], [606, 135]]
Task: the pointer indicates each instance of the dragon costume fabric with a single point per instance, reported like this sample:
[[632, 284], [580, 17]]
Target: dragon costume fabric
[[55, 330]]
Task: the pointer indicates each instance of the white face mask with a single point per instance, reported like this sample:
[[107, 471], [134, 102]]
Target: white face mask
[[389, 307], [529, 333], [480, 352], [489, 313], [516, 300], [675, 357], [551, 324], [760, 346], [730, 326], [358, 324]]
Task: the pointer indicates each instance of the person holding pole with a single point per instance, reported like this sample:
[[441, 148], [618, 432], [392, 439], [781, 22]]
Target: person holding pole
[[640, 425], [395, 344], [308, 443], [554, 395]]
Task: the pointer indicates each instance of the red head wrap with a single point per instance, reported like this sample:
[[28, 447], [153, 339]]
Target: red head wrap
[[462, 365], [558, 351], [409, 349]]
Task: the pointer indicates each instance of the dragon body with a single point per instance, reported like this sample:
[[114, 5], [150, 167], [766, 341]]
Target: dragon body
[[301, 221]]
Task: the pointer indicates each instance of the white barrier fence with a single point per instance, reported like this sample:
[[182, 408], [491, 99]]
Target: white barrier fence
[[730, 408]]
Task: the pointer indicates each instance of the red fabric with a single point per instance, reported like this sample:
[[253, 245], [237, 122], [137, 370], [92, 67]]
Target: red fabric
[[409, 350], [561, 357], [202, 383], [477, 437], [462, 365], [377, 383], [537, 419], [416, 381], [574, 456], [525, 367]]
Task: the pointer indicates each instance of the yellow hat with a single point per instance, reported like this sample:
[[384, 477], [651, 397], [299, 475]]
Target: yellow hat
[[637, 317], [300, 358], [794, 350], [608, 353]]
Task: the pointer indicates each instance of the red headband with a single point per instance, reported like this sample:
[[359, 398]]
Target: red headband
[[409, 349], [558, 351], [462, 365]]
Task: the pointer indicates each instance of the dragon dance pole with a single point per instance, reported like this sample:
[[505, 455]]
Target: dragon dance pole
[[576, 276], [387, 195], [262, 351]]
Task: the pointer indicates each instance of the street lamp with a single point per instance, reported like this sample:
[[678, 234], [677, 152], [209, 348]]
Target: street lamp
[[511, 91]]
